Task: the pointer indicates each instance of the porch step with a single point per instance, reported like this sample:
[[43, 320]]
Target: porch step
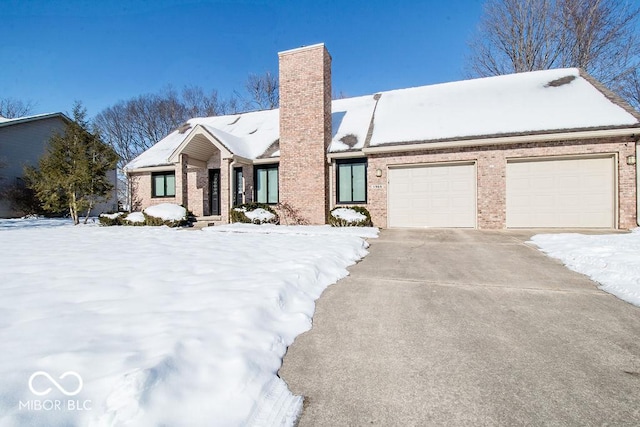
[[207, 221]]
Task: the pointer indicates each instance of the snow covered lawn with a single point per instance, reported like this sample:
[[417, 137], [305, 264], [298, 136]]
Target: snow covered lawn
[[156, 326], [612, 260]]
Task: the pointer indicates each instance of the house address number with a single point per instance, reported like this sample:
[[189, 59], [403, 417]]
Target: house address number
[[377, 186]]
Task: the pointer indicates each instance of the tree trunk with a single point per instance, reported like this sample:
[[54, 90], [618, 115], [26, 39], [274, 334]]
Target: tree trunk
[[73, 209]]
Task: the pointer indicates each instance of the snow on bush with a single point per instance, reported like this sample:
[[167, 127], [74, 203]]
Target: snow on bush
[[135, 217], [174, 329], [259, 215], [354, 216], [348, 215], [255, 213], [167, 212]]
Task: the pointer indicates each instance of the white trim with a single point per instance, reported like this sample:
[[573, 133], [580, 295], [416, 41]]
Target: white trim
[[564, 136], [200, 130], [266, 161], [300, 49]]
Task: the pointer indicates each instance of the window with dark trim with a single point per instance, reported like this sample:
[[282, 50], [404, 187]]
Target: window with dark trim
[[266, 184], [238, 187], [163, 184], [351, 181]]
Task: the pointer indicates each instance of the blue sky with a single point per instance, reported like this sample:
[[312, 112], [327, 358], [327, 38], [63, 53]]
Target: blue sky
[[101, 52]]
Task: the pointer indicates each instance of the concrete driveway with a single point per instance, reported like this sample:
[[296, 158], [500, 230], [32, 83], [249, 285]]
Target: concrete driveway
[[454, 327]]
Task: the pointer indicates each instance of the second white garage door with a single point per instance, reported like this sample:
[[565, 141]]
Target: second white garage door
[[432, 196], [561, 193]]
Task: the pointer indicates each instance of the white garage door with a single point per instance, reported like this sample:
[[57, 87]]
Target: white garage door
[[432, 196], [561, 193]]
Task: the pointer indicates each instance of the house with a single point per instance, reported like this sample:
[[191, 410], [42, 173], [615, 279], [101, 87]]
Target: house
[[548, 148], [23, 141]]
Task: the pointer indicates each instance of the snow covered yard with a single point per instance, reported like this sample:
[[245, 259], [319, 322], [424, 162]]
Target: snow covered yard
[[612, 260], [157, 326]]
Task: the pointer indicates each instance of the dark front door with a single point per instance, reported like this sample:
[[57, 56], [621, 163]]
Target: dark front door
[[214, 191]]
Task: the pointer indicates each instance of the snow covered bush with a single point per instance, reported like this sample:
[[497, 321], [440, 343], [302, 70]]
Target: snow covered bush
[[254, 213], [109, 219], [351, 216], [167, 214]]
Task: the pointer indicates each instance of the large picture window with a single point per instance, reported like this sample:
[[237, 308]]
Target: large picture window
[[163, 184], [352, 181], [266, 184]]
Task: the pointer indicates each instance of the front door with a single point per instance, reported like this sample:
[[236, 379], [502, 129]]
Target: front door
[[214, 191]]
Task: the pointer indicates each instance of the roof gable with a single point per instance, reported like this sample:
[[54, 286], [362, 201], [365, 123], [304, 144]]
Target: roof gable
[[26, 119]]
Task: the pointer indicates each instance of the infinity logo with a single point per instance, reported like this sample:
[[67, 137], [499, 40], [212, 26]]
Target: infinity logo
[[55, 383]]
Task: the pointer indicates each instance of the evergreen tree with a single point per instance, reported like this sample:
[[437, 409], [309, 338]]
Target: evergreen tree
[[72, 175]]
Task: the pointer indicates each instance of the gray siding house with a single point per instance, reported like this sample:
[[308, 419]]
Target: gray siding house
[[23, 141]]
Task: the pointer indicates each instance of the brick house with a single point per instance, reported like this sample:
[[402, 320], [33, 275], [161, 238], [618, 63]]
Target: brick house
[[548, 148]]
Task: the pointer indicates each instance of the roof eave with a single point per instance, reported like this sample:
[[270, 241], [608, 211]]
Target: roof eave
[[632, 131]]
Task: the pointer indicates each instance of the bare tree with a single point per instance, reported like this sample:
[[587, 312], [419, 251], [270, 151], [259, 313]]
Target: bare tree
[[262, 91], [515, 36], [11, 108], [599, 36]]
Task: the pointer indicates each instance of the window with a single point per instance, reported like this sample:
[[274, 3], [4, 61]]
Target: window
[[163, 184], [352, 181], [238, 186], [266, 184]]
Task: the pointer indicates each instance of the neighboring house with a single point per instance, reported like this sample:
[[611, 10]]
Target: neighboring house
[[541, 149], [23, 141]]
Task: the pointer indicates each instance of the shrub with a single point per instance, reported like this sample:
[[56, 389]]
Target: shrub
[[155, 221], [239, 214], [350, 216], [109, 219]]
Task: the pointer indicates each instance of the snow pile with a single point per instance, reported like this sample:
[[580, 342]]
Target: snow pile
[[612, 260], [167, 212], [311, 230], [260, 215], [136, 217], [348, 215], [172, 328]]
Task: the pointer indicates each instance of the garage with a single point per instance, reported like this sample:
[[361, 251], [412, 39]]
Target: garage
[[432, 196], [567, 193]]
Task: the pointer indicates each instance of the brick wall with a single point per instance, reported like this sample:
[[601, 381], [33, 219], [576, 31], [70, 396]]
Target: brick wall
[[141, 186], [491, 164], [305, 130]]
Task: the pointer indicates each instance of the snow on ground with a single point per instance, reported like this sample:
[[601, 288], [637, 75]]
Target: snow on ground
[[612, 260], [316, 230], [163, 326]]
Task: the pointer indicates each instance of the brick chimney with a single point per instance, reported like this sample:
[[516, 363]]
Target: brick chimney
[[305, 130]]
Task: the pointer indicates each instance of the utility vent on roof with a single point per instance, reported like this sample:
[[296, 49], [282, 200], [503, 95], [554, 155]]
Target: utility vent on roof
[[561, 81], [235, 121], [184, 127], [350, 140], [253, 131]]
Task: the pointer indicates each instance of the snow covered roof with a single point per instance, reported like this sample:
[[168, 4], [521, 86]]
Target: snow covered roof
[[535, 102], [539, 101], [8, 122]]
